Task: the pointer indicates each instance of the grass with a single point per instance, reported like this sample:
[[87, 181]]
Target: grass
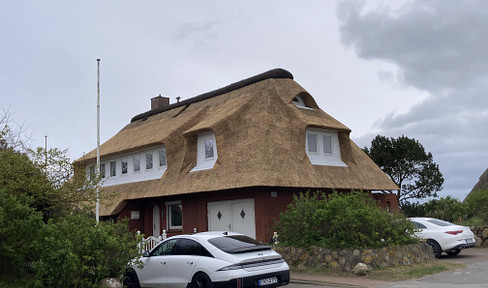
[[397, 273], [414, 271], [473, 221]]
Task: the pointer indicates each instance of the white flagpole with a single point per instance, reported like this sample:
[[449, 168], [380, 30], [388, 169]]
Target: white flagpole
[[98, 140]]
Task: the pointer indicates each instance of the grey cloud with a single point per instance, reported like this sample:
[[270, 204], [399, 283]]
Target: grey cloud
[[439, 47], [438, 44]]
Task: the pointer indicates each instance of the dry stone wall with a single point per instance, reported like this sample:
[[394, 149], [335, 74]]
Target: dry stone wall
[[318, 257], [481, 235]]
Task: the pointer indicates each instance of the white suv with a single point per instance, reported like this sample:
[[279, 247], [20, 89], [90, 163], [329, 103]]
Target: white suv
[[210, 259], [443, 236]]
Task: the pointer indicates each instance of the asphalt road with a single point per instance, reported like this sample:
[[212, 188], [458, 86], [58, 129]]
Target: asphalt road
[[475, 275]]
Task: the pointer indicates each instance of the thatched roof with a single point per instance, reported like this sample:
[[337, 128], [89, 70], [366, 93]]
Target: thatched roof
[[260, 136], [482, 183]]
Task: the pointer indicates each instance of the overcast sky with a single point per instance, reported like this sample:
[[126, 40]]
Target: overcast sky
[[415, 68]]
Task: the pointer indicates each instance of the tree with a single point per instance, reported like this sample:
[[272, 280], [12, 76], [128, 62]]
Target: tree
[[477, 202], [45, 221], [448, 208], [407, 164]]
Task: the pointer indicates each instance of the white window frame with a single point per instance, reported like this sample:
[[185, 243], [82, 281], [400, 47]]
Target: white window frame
[[320, 157], [168, 215], [203, 162]]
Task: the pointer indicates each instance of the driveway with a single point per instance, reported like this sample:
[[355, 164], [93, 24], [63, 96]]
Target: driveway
[[473, 276]]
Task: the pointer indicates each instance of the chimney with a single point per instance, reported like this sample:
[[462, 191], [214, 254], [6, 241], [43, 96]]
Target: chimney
[[159, 102]]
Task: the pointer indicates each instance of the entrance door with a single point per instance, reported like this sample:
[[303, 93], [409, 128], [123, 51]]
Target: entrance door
[[235, 215], [156, 227]]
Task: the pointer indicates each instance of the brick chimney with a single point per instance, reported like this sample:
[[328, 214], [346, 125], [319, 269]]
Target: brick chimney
[[159, 102]]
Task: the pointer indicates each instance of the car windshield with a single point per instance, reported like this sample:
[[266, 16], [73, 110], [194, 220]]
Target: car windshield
[[439, 222], [237, 244]]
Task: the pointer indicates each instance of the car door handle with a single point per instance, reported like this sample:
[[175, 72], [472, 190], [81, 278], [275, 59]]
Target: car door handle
[[189, 262], [163, 262]]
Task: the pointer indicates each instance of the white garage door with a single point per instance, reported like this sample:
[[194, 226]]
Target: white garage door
[[234, 215]]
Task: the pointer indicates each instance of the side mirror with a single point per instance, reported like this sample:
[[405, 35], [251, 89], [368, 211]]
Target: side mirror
[[145, 254]]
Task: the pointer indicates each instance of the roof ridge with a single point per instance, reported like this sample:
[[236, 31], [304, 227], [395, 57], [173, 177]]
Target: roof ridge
[[277, 73]]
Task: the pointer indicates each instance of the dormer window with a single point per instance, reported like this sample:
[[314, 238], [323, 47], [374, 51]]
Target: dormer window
[[206, 151], [322, 147], [298, 101]]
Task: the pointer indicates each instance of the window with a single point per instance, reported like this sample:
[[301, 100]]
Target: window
[[102, 170], [327, 141], [175, 214], [187, 247], [149, 161], [206, 151], [164, 248], [298, 101], [92, 172], [162, 158], [322, 147], [312, 142], [113, 168], [125, 166], [137, 163], [209, 149]]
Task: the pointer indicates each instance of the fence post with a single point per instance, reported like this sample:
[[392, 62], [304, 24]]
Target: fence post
[[164, 234], [139, 244]]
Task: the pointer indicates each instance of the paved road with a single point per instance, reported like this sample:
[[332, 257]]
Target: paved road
[[475, 275]]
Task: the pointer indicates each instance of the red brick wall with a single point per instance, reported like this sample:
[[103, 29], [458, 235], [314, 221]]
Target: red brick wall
[[135, 225], [388, 202]]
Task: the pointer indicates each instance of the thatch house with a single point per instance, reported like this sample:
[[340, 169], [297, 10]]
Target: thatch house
[[230, 159]]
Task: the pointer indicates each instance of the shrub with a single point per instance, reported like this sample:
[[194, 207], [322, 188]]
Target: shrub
[[351, 220], [76, 252], [448, 208], [478, 204]]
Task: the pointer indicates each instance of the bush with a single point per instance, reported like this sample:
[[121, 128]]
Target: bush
[[351, 220], [478, 204], [448, 208], [76, 252], [19, 225]]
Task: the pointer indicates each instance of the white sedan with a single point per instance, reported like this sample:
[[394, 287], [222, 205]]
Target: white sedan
[[210, 259], [443, 236]]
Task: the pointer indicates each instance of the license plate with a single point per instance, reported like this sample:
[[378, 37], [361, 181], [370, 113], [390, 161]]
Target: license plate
[[268, 281], [469, 241]]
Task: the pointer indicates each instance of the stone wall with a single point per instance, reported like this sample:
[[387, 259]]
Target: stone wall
[[480, 235], [317, 257]]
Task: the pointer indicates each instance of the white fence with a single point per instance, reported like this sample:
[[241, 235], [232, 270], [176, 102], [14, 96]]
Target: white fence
[[150, 242]]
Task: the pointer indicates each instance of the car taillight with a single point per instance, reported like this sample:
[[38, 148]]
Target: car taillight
[[231, 267], [239, 282], [454, 232]]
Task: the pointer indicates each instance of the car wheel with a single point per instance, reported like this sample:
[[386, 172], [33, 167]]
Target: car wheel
[[436, 248], [453, 252], [131, 280], [201, 280]]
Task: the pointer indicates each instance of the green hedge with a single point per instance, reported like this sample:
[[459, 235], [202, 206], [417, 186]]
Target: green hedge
[[349, 220]]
